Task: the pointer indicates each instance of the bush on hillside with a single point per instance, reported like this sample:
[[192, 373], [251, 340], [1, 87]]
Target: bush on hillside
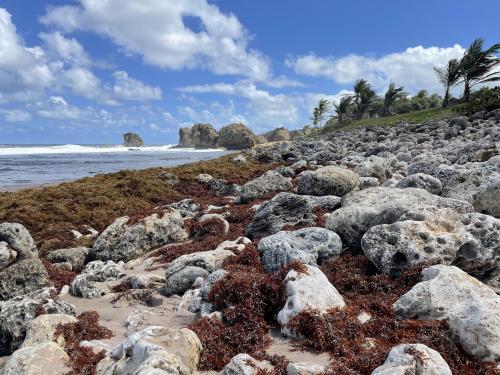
[[485, 99]]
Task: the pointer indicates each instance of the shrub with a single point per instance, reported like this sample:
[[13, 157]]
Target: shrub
[[485, 99]]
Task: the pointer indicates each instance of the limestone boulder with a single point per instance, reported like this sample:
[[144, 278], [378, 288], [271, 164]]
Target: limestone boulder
[[17, 314], [283, 209], [123, 241], [471, 309], [364, 209], [44, 358], [310, 290], [22, 278], [19, 240], [270, 182], [311, 246], [329, 180], [413, 359], [154, 350]]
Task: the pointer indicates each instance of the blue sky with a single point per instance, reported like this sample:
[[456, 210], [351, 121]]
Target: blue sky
[[86, 71]]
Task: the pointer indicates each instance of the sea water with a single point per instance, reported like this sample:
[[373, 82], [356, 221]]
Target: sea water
[[34, 165]]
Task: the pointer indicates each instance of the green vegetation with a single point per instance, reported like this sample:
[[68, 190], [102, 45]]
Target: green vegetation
[[485, 99], [364, 107], [411, 117]]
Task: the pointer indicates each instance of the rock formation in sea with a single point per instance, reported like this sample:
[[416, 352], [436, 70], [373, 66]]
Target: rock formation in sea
[[132, 140]]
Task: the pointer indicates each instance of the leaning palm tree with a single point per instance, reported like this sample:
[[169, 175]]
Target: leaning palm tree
[[319, 112], [341, 109], [476, 65], [449, 78], [363, 95], [392, 94]]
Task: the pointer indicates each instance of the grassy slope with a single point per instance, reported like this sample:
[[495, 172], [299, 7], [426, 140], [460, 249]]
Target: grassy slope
[[51, 212], [412, 117]]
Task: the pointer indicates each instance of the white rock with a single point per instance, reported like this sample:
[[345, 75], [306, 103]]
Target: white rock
[[154, 350], [304, 369], [471, 309], [310, 290], [45, 358], [243, 364], [43, 328], [401, 361]]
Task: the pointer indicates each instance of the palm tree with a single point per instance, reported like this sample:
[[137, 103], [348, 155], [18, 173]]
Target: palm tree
[[476, 65], [342, 108], [363, 94], [449, 78], [319, 112], [392, 94]]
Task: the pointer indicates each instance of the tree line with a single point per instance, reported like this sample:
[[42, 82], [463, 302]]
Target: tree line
[[477, 66]]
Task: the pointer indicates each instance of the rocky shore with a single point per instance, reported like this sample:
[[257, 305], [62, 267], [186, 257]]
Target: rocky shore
[[370, 251]]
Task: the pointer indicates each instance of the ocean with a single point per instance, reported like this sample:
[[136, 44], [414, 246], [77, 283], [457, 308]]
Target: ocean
[[35, 165]]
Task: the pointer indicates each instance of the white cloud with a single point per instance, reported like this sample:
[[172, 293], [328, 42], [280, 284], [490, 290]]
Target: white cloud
[[82, 82], [15, 115], [213, 113], [412, 68], [57, 108], [265, 110], [126, 88], [169, 119], [67, 49], [157, 30], [24, 72]]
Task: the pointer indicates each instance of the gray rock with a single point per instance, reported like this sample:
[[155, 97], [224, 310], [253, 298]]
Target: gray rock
[[236, 137], [471, 309], [43, 328], [182, 280], [122, 242], [132, 140], [204, 136], [208, 217], [364, 209], [285, 171], [479, 184], [401, 360], [188, 208], [368, 182], [423, 181], [311, 246], [328, 180], [469, 241], [19, 240], [270, 182], [7, 255], [183, 271], [283, 209], [76, 257], [98, 271], [186, 137], [325, 202], [278, 135], [17, 314], [219, 186], [374, 166], [22, 278]]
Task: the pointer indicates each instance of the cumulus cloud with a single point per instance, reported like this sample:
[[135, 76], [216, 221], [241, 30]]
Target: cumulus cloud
[[158, 31], [15, 115], [126, 88], [24, 71], [412, 68], [57, 108], [265, 109], [68, 49]]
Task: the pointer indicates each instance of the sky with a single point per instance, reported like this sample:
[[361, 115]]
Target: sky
[[86, 71]]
